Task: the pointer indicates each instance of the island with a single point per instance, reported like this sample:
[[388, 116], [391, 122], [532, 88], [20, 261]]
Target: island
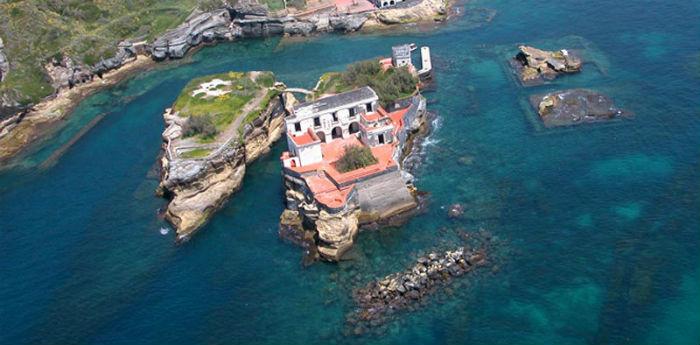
[[47, 68], [217, 125], [343, 168], [533, 66], [576, 106]]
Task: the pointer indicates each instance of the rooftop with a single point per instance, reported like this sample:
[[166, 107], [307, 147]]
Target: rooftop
[[335, 101], [402, 52]]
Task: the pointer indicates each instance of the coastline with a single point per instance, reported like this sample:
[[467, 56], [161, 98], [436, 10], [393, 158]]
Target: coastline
[[27, 128], [35, 124]]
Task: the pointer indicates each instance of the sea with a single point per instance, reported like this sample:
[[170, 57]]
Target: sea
[[598, 225]]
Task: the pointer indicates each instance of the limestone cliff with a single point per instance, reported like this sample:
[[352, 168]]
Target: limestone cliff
[[198, 186]]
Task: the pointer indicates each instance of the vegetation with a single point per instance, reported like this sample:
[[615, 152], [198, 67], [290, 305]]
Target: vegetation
[[355, 157], [196, 153], [34, 31], [391, 85], [201, 125], [223, 108], [264, 103]]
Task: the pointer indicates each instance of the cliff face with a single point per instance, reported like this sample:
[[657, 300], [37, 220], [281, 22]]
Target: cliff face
[[198, 187]]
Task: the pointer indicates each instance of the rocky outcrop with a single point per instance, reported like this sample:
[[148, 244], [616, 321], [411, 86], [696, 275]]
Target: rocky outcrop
[[412, 11], [197, 28], [126, 51], [570, 107], [4, 64], [336, 233], [347, 23], [198, 187], [66, 73], [534, 66]]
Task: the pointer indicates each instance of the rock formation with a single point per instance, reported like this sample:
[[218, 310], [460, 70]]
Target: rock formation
[[197, 187], [569, 107], [197, 28], [534, 66], [4, 64], [412, 11]]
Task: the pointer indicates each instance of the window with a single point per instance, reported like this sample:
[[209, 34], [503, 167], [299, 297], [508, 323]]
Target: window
[[335, 116], [352, 112], [317, 122], [297, 127], [369, 107], [381, 138]]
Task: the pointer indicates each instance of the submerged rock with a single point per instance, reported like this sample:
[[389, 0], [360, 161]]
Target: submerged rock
[[534, 66], [570, 107]]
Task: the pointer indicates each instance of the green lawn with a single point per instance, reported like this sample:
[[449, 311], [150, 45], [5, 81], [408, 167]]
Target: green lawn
[[225, 108], [196, 153]]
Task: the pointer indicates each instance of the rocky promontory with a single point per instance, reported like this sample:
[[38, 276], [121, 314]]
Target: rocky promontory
[[534, 66], [217, 126], [576, 106]]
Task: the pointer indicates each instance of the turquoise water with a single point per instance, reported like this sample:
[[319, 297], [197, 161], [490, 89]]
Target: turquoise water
[[600, 222]]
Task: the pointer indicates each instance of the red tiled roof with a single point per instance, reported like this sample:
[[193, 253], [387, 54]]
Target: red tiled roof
[[324, 184], [304, 139]]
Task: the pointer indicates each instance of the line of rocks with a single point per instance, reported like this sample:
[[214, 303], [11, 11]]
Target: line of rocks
[[380, 299]]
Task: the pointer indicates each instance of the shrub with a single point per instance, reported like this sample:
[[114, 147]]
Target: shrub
[[202, 125], [355, 157], [390, 85]]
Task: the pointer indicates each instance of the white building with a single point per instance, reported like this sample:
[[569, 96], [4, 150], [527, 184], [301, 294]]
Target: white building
[[332, 117], [386, 3]]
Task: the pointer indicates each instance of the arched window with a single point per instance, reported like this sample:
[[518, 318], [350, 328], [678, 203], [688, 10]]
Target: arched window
[[354, 127], [321, 136], [337, 133]]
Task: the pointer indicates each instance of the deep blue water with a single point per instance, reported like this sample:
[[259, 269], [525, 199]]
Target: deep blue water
[[601, 223]]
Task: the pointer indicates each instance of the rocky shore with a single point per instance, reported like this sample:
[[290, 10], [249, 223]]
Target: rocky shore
[[534, 66], [22, 125], [381, 300], [198, 177], [29, 126], [576, 106]]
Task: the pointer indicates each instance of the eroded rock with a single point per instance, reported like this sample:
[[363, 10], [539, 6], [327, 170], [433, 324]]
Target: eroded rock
[[535, 66], [570, 107]]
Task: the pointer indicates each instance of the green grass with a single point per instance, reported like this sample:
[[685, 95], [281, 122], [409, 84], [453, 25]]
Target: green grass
[[226, 108], [35, 30], [274, 5], [196, 153]]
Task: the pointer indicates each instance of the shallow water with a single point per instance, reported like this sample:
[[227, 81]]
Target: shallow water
[[600, 222]]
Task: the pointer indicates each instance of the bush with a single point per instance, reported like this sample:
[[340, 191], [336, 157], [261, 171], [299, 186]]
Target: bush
[[390, 85], [202, 125], [355, 157]]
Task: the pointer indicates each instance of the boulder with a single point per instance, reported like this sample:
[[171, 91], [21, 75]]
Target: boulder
[[299, 28], [347, 23]]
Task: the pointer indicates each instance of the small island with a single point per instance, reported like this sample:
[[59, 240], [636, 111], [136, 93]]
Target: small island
[[217, 125], [534, 66], [576, 106], [344, 169]]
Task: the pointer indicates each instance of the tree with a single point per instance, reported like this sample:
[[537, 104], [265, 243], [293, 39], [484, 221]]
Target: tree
[[355, 157]]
